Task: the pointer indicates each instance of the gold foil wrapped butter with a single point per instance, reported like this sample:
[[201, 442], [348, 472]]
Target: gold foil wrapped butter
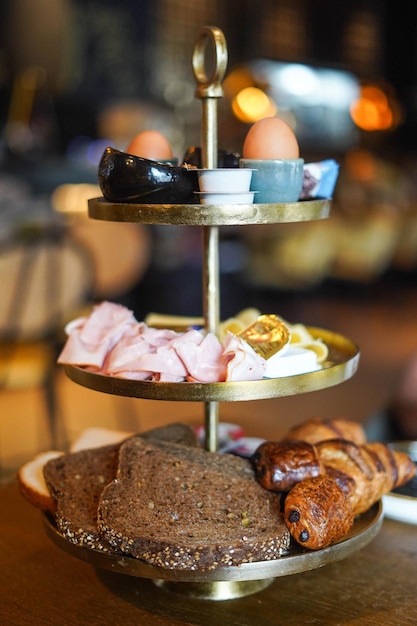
[[267, 335]]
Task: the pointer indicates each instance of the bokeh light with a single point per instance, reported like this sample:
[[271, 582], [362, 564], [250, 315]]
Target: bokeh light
[[252, 104], [376, 109]]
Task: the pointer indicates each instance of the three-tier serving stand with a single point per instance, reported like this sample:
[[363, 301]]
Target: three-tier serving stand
[[224, 582]]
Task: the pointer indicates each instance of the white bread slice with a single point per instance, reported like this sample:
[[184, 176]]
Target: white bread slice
[[96, 437], [32, 482], [30, 476]]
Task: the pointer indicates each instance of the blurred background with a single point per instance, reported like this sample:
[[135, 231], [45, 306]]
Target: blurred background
[[77, 76]]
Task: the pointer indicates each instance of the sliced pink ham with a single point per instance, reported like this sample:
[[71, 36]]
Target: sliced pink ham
[[123, 358], [150, 351], [157, 336], [106, 324], [76, 352], [90, 338], [164, 361], [203, 361], [112, 342], [243, 363], [134, 375]]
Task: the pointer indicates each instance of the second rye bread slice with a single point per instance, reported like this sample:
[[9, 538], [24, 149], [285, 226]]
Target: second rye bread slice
[[76, 480], [185, 508]]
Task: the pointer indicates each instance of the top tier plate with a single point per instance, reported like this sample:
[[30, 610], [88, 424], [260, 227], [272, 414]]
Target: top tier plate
[[209, 215]]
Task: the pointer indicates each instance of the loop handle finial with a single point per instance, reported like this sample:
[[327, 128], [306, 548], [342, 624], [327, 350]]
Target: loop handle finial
[[210, 86]]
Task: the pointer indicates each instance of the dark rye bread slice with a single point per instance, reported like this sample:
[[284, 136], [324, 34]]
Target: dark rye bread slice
[[186, 508], [76, 480]]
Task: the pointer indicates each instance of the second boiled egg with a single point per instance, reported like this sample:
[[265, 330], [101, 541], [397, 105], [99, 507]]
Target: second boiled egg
[[271, 138], [150, 144]]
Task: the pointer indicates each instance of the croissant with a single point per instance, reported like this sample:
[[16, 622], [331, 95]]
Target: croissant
[[330, 474], [365, 473], [318, 429], [317, 512]]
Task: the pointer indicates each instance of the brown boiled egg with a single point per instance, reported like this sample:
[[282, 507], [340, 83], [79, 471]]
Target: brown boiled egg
[[150, 144], [270, 138]]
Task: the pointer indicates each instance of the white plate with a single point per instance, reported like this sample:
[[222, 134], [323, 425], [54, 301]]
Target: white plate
[[403, 507], [400, 508]]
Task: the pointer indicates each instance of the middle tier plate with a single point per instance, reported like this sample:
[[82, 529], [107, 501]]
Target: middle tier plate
[[341, 364]]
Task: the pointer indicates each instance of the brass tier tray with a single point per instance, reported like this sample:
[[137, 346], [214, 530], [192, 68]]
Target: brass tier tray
[[209, 215], [342, 363], [294, 561]]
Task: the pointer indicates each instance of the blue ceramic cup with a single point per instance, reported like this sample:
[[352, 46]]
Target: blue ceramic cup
[[275, 180]]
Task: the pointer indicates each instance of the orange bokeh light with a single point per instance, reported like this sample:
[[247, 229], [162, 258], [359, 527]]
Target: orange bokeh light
[[252, 104], [374, 111]]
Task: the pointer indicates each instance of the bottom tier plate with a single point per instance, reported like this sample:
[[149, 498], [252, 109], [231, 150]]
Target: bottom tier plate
[[233, 581]]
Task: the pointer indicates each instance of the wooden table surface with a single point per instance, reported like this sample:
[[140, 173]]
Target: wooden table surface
[[42, 584]]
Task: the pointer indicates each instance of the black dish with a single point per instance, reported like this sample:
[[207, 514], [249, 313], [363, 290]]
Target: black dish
[[224, 158], [124, 177]]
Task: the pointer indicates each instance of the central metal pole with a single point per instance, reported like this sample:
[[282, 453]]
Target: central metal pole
[[209, 88]]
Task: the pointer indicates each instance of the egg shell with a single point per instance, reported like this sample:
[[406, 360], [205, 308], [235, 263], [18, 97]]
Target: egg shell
[[271, 138], [150, 144]]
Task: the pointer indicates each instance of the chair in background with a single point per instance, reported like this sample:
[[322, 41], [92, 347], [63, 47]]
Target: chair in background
[[46, 277]]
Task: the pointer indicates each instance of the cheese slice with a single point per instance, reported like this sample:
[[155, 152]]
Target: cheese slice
[[292, 362]]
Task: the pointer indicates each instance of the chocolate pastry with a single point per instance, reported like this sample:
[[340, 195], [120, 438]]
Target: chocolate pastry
[[317, 512], [279, 465]]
